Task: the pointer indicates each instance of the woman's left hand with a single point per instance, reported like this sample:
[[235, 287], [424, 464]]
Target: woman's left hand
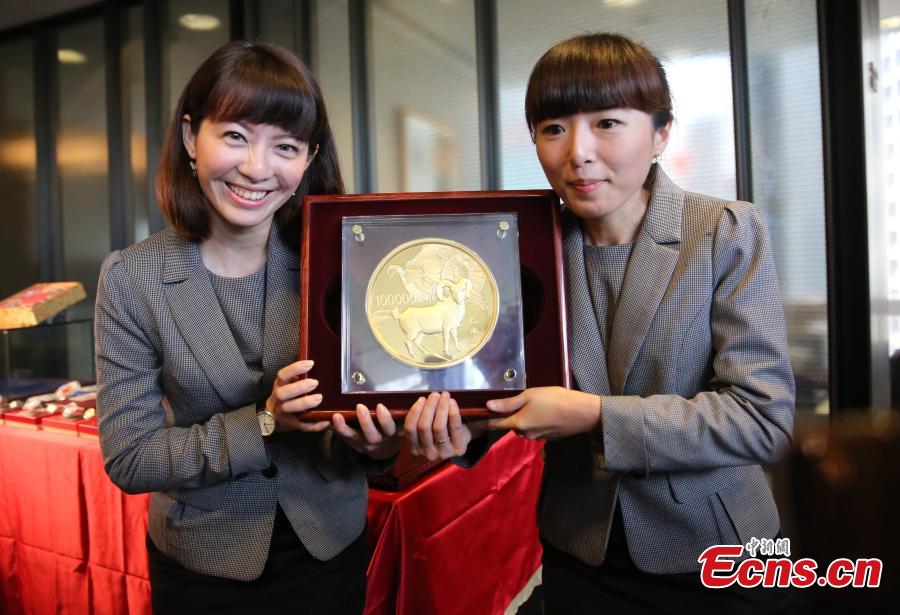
[[379, 441], [547, 413]]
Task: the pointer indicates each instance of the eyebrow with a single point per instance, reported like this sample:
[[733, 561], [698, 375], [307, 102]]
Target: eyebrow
[[282, 135]]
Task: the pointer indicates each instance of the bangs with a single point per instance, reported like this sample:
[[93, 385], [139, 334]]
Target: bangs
[[589, 74], [263, 92]]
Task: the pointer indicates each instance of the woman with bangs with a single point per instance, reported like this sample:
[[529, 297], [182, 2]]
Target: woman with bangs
[[677, 345], [252, 510]]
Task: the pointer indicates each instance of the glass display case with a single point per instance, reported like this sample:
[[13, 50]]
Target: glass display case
[[38, 359], [431, 303]]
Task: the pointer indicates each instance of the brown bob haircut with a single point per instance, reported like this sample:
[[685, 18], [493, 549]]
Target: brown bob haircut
[[256, 83], [593, 72]]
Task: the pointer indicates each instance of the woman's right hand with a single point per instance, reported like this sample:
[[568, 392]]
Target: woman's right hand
[[435, 429], [291, 396]]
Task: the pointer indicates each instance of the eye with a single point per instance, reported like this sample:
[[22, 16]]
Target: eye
[[233, 135], [608, 123], [551, 130], [287, 148]]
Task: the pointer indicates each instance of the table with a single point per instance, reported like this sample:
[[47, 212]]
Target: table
[[458, 541]]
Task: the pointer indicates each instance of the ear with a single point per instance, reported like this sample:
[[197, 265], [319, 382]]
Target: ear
[[188, 137], [661, 138]]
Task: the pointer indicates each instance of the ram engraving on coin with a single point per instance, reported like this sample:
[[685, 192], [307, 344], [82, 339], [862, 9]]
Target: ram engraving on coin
[[432, 303]]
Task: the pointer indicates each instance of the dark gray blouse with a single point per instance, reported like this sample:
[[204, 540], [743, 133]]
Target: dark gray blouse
[[243, 303], [605, 270]]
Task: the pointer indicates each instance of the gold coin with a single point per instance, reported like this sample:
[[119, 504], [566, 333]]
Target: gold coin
[[432, 303]]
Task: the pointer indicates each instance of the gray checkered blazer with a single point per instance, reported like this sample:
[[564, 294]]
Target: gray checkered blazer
[[697, 385], [177, 415]]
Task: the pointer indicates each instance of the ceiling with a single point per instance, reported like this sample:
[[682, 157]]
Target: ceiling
[[20, 12]]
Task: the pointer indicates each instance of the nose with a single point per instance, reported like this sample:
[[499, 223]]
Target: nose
[[256, 165], [581, 145]]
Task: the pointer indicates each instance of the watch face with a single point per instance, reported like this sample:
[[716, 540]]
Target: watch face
[[266, 423]]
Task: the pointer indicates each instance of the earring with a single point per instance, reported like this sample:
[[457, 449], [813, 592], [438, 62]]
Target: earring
[[294, 193], [656, 158], [193, 164]]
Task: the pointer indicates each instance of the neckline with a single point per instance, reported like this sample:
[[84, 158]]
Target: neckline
[[225, 278]]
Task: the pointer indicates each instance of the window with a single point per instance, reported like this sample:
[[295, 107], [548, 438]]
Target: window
[[82, 156], [425, 96], [187, 43], [19, 232], [332, 68], [788, 181], [135, 126]]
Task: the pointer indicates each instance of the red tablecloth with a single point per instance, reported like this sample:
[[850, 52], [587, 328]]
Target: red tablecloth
[[459, 541]]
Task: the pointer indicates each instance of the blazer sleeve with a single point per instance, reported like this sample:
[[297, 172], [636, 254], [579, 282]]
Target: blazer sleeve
[[141, 452], [746, 415]]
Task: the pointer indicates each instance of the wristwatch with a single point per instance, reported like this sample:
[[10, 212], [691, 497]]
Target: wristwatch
[[267, 422]]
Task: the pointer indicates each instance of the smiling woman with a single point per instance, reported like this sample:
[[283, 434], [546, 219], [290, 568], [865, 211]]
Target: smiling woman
[[196, 358], [247, 172], [225, 98]]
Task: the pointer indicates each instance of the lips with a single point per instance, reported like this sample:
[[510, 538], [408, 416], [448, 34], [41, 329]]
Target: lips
[[586, 185], [248, 195]]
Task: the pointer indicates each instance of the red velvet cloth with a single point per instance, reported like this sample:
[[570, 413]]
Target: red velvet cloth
[[43, 507], [459, 541]]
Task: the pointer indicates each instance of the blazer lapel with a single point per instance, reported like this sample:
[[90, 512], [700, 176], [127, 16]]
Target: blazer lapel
[[586, 352], [282, 321], [199, 318], [647, 278]]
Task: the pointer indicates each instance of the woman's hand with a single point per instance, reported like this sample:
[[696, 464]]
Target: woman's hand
[[435, 429], [291, 396], [378, 442], [548, 413]]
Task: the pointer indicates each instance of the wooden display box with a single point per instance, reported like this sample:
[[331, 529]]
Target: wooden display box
[[24, 418], [8, 407], [404, 472], [543, 298], [59, 424]]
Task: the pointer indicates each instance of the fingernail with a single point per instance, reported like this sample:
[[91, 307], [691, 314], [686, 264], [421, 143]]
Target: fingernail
[[317, 397], [308, 363], [492, 405], [313, 382]]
